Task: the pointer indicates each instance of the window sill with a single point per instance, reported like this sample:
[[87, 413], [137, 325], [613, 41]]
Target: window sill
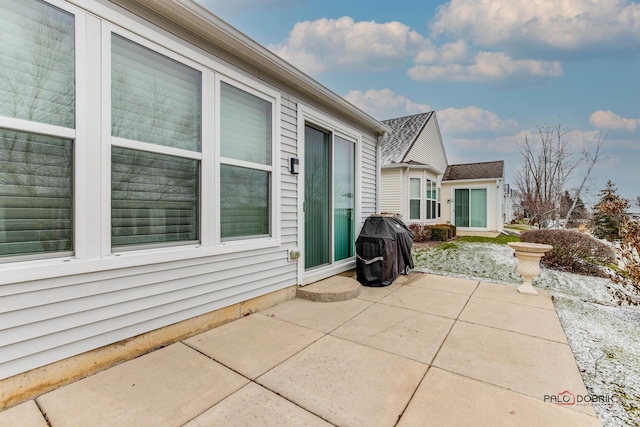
[[25, 271]]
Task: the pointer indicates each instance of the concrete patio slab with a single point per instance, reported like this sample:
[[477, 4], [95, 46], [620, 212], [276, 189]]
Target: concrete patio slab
[[400, 331], [347, 383], [439, 303], [510, 294], [525, 364], [253, 344], [447, 399], [445, 283], [534, 321], [375, 294], [167, 387], [323, 317], [254, 405], [26, 414]]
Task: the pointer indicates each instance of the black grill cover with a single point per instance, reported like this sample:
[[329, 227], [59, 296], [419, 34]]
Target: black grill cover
[[383, 250]]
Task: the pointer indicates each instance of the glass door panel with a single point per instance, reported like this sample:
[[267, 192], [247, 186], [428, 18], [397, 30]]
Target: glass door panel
[[344, 204], [317, 197]]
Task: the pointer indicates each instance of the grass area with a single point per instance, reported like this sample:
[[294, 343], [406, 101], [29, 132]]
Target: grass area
[[518, 227], [502, 239]]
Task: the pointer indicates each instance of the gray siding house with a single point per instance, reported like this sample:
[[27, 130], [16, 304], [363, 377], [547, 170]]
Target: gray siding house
[[158, 166]]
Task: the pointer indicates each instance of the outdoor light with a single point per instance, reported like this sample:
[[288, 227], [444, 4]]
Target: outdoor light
[[294, 167]]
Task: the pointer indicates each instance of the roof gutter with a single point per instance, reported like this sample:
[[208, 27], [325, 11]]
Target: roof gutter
[[202, 23], [411, 166]]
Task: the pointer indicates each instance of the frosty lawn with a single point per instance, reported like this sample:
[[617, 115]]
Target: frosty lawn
[[604, 337]]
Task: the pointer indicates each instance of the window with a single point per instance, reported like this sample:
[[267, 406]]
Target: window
[[246, 123], [432, 200], [414, 198], [37, 86], [156, 147]]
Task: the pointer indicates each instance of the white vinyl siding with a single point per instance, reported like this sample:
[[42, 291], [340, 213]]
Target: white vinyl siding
[[428, 148], [57, 308], [391, 191]]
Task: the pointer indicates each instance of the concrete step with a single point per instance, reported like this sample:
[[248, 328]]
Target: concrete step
[[335, 288]]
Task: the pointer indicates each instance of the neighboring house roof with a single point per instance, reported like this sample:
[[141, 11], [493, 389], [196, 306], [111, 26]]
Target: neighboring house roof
[[484, 170], [404, 132]]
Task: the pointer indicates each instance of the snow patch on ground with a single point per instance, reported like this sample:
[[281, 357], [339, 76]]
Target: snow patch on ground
[[603, 335]]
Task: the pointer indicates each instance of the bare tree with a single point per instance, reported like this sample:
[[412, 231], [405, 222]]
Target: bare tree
[[548, 165]]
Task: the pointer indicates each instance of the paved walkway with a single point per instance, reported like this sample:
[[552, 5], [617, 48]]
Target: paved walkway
[[427, 350]]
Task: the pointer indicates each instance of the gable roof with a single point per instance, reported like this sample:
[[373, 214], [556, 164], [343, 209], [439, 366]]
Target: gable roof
[[404, 131], [484, 170]]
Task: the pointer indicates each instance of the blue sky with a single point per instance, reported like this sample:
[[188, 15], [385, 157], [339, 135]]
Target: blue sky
[[493, 70]]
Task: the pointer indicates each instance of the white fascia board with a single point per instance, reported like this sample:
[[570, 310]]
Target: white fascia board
[[204, 24], [410, 166], [461, 181]]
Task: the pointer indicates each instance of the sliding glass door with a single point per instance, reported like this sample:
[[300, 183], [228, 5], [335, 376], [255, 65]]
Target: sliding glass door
[[330, 190], [471, 207]]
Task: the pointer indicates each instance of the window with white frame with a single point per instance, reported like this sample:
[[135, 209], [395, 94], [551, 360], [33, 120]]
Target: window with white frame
[[431, 199], [414, 198], [156, 122], [37, 96], [246, 132]]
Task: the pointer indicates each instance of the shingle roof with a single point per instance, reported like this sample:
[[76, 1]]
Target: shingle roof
[[487, 170], [404, 131]]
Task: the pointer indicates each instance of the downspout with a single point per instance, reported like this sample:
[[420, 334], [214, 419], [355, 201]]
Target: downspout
[[380, 138]]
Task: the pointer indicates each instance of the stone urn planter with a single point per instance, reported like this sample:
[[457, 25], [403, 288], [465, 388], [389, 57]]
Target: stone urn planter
[[529, 255]]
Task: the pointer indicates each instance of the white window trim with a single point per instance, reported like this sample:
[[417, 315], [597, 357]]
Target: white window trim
[[312, 116], [92, 208], [419, 198]]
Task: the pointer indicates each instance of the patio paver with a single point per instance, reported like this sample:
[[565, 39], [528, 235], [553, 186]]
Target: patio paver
[[528, 365], [439, 303], [445, 283], [254, 405], [347, 383], [254, 344], [534, 321], [320, 316], [404, 332], [24, 414], [506, 293], [166, 387], [447, 399]]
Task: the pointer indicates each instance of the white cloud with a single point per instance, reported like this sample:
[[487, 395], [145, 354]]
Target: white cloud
[[543, 26], [385, 104], [316, 46], [483, 66], [609, 120], [473, 119], [224, 7]]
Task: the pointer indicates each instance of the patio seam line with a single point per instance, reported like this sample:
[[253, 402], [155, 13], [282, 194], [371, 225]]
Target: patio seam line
[[513, 391], [515, 332], [44, 414], [429, 366], [516, 303]]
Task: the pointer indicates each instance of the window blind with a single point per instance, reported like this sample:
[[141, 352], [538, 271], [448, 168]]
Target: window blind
[[154, 98], [37, 79], [245, 122], [36, 209], [344, 192], [154, 198], [244, 202]]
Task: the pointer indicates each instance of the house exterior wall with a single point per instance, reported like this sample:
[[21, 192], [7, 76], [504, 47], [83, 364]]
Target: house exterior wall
[[428, 148], [391, 191], [494, 200], [51, 309]]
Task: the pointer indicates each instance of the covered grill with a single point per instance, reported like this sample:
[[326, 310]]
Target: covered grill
[[383, 250]]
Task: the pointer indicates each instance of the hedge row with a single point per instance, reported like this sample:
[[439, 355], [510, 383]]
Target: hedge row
[[439, 232]]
